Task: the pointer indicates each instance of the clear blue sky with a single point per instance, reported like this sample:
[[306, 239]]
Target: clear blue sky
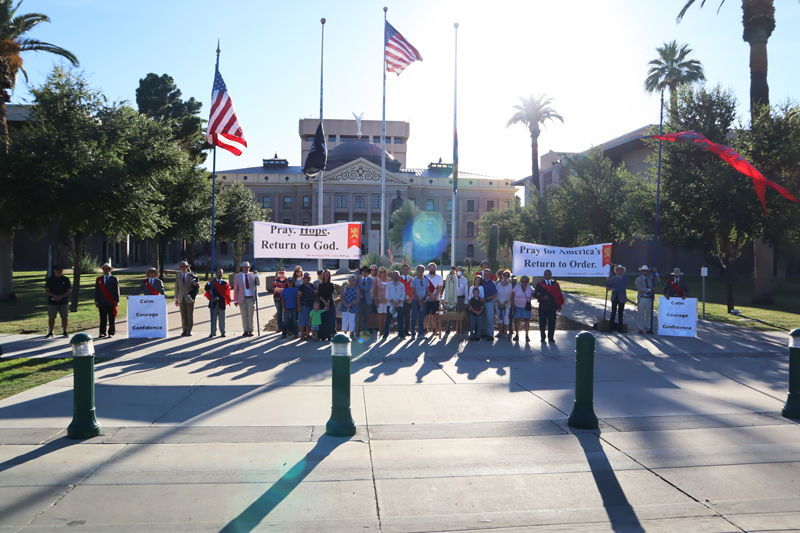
[[590, 56]]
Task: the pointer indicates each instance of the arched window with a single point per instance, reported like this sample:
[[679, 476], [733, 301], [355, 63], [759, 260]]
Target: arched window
[[223, 248], [470, 250]]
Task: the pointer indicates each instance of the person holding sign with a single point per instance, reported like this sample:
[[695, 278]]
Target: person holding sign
[[218, 293], [151, 284], [245, 295], [618, 285], [676, 285], [644, 297], [185, 292], [106, 299], [548, 292]]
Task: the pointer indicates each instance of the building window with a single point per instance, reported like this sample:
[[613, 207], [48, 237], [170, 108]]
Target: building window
[[470, 230], [489, 205], [223, 248], [376, 224], [306, 202], [341, 200], [470, 250], [376, 202], [360, 201], [450, 205], [306, 222], [398, 140], [309, 138], [508, 205], [430, 205], [449, 228], [265, 202], [287, 220], [331, 138], [287, 202], [470, 206]]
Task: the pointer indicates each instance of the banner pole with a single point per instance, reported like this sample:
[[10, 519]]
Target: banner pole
[[321, 72], [658, 202], [455, 155], [383, 141]]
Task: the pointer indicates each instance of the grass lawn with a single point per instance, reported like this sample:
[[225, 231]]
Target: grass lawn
[[17, 375], [784, 315], [29, 313]]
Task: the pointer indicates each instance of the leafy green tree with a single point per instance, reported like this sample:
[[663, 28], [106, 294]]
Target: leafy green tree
[[13, 42], [93, 166], [599, 202], [533, 112], [236, 211], [514, 223], [160, 99], [703, 199]]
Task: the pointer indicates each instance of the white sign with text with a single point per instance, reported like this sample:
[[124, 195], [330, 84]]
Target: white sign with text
[[147, 316], [331, 241], [584, 261], [677, 317]]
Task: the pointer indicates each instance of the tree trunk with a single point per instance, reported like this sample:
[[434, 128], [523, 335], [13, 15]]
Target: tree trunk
[[535, 186], [162, 251], [729, 287], [7, 292], [759, 88], [783, 266], [191, 249], [763, 272], [237, 256], [78, 251], [154, 257]]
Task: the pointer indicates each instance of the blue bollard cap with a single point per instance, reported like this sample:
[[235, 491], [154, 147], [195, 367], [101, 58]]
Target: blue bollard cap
[[340, 338], [79, 338]]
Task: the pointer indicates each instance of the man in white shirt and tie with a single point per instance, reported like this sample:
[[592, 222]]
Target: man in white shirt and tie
[[245, 295], [185, 289]]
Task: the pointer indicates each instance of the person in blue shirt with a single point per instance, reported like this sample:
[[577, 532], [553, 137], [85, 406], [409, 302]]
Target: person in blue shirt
[[618, 285], [289, 301]]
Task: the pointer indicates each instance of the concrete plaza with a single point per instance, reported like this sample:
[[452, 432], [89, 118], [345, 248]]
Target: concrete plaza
[[228, 434]]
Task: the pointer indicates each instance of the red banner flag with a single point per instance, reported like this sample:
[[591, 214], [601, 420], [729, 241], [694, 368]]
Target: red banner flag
[[606, 254], [734, 159], [354, 235]]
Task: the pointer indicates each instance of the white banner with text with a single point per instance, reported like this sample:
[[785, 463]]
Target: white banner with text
[[677, 317], [584, 261], [331, 241], [147, 316]]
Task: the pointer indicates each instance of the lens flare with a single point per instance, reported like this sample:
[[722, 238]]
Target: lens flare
[[428, 233]]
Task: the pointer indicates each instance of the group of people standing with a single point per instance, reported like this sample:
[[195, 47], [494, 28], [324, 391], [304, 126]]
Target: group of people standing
[[305, 307]]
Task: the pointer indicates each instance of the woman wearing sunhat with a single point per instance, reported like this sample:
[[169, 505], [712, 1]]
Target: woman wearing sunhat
[[676, 285], [644, 297]]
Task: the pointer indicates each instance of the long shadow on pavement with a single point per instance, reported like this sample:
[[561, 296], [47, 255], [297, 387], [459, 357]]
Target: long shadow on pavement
[[251, 517]]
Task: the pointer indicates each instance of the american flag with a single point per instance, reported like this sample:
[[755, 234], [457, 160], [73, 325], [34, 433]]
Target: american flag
[[223, 124], [399, 53]]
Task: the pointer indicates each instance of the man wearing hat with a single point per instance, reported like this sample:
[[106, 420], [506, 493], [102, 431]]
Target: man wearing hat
[[618, 285], [245, 295], [676, 285], [644, 297], [482, 272], [186, 285], [57, 287], [106, 299], [461, 289], [151, 284], [277, 287]]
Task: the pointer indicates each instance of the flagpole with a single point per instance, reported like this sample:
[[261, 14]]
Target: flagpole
[[321, 172], [658, 202], [383, 140], [455, 156], [213, 185]]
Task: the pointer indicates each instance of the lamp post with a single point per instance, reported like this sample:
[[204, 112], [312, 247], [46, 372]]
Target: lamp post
[[341, 422], [84, 423], [792, 407]]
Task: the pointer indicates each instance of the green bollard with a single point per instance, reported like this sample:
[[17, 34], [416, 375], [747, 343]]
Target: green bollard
[[84, 422], [341, 422], [792, 407], [583, 416]]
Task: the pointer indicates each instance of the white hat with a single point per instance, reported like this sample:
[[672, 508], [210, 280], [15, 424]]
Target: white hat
[[622, 267], [107, 265], [644, 267], [677, 272], [245, 264]]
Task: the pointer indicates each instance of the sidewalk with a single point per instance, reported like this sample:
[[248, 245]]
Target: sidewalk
[[228, 434]]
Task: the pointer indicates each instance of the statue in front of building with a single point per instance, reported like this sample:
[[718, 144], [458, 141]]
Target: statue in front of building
[[397, 203]]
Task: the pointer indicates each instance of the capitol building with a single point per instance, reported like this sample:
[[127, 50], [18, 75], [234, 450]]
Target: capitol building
[[352, 185]]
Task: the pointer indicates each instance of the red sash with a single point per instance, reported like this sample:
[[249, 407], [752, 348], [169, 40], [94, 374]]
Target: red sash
[[555, 291], [107, 294], [675, 287], [150, 287], [431, 286], [224, 290]]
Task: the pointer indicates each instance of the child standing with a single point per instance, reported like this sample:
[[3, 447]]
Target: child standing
[[316, 320], [475, 310]]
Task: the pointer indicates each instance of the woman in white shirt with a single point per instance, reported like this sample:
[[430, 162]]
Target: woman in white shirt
[[503, 301], [521, 299], [479, 284]]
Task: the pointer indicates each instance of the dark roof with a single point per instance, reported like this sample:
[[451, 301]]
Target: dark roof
[[263, 170], [352, 150]]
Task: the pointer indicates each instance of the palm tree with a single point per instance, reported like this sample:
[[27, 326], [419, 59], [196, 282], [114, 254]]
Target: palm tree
[[13, 42], [758, 21], [671, 69], [533, 112]]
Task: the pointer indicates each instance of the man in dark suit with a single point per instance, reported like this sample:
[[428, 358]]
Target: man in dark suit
[[618, 285], [548, 292], [676, 285], [106, 299], [218, 293], [152, 285]]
